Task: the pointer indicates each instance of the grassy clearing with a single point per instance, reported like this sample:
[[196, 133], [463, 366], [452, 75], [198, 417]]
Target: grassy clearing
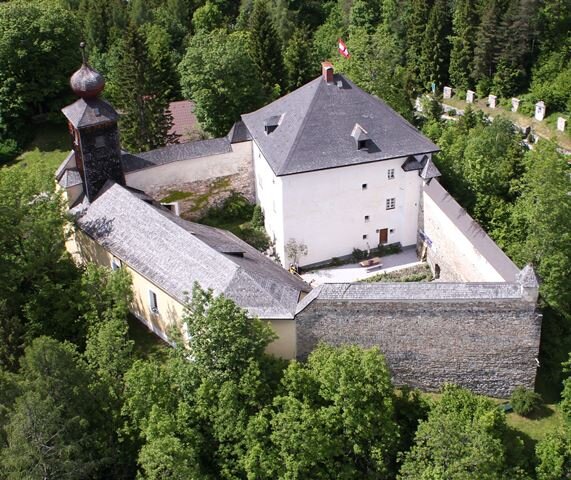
[[49, 148], [531, 430], [546, 128]]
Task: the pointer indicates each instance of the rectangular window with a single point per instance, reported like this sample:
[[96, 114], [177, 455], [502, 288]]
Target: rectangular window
[[366, 218], [391, 173], [153, 302], [364, 237], [390, 203], [115, 263], [364, 186]]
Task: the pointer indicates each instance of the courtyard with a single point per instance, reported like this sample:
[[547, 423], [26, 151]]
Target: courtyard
[[354, 272]]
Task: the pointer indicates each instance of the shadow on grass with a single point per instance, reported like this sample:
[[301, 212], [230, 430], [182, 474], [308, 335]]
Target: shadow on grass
[[540, 413], [147, 344]]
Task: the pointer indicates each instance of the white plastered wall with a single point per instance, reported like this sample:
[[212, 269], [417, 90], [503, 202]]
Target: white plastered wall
[[326, 209], [270, 197], [193, 169], [461, 259]]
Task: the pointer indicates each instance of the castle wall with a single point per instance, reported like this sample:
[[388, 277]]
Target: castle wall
[[199, 176], [457, 244], [486, 344]]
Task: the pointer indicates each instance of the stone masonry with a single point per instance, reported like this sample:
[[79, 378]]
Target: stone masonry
[[483, 337]]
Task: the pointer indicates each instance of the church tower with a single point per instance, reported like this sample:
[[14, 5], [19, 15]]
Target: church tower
[[93, 127]]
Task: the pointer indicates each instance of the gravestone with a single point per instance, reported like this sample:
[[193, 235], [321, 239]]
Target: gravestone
[[561, 123], [539, 111], [515, 104], [470, 96], [492, 101], [447, 92], [418, 104]]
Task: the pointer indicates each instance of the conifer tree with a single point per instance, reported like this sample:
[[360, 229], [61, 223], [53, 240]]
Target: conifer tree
[[299, 59], [486, 45], [464, 22], [435, 51], [266, 49], [514, 55], [140, 93], [417, 17]]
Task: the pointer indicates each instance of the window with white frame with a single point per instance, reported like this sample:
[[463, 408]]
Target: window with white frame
[[391, 173], [153, 305], [115, 263], [367, 218], [390, 203]]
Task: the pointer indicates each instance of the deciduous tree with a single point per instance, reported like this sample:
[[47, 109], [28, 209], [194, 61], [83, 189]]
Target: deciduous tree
[[218, 74]]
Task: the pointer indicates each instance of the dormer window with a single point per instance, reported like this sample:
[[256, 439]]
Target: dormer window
[[361, 137], [270, 124]]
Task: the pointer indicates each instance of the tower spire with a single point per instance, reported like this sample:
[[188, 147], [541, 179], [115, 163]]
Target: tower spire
[[86, 82]]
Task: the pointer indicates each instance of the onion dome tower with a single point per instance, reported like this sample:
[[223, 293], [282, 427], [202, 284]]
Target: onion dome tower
[[93, 127]]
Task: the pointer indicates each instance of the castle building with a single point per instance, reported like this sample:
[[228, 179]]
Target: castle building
[[335, 169]]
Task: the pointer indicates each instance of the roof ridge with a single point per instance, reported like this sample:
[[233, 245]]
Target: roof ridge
[[301, 126]]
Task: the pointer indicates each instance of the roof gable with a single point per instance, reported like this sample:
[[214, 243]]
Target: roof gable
[[317, 122]]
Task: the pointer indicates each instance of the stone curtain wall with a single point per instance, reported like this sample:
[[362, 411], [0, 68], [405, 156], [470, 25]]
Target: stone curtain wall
[[457, 244], [486, 345]]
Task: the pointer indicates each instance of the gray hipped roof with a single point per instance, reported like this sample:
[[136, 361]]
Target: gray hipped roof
[[316, 125], [88, 112], [173, 254]]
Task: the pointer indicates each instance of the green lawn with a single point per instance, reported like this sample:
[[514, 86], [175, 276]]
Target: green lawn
[[50, 146]]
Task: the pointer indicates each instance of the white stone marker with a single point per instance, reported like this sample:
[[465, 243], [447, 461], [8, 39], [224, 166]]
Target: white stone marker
[[539, 111], [492, 101], [447, 92], [418, 104], [515, 104], [561, 123], [470, 96]]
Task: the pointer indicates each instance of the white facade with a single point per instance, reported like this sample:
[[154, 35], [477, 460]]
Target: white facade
[[335, 210]]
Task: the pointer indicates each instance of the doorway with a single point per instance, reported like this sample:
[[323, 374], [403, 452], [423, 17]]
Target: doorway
[[383, 236]]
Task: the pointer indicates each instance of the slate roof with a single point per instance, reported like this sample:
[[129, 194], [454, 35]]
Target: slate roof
[[472, 231], [315, 130], [69, 162], [173, 253], [239, 133], [175, 153], [429, 170], [70, 178], [89, 112], [426, 292]]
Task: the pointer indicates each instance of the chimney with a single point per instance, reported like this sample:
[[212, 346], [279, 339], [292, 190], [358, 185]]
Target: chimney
[[327, 71]]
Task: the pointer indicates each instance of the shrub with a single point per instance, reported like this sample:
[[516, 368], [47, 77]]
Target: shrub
[[359, 254], [335, 262], [255, 237], [524, 401], [258, 217], [9, 150]]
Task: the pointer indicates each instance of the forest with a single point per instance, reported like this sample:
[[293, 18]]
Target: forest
[[80, 399]]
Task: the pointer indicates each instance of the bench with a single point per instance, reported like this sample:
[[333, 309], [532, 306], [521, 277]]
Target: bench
[[371, 262]]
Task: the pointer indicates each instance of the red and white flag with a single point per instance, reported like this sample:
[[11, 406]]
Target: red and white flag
[[343, 48]]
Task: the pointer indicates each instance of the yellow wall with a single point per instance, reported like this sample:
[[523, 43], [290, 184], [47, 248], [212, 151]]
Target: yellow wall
[[170, 312]]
